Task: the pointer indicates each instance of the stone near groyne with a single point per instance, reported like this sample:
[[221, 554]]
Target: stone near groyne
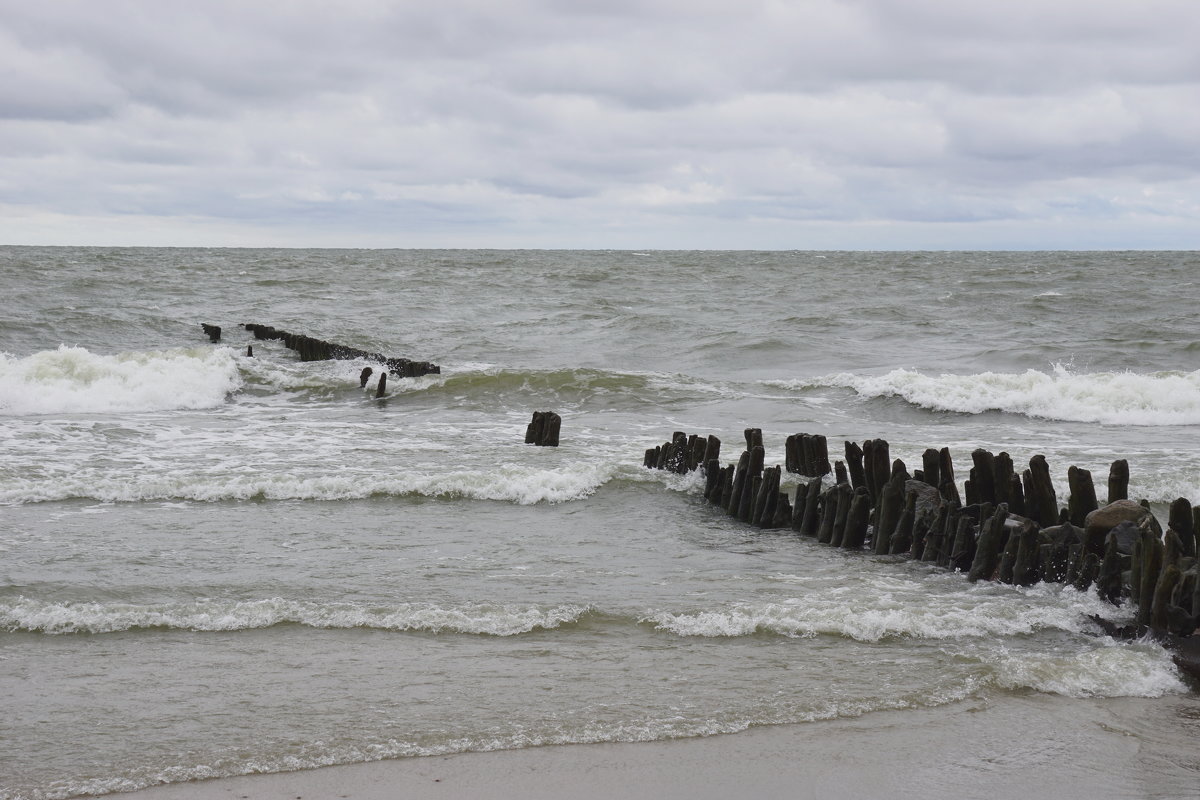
[[1011, 530], [543, 429], [213, 332]]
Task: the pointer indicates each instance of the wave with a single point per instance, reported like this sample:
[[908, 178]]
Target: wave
[[506, 482], [32, 616], [1114, 398], [955, 615], [1113, 669], [76, 380]]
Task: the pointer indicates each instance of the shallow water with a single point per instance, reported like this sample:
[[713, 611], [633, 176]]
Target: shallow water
[[212, 565]]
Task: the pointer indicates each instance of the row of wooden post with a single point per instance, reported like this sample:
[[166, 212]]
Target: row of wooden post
[[1010, 529]]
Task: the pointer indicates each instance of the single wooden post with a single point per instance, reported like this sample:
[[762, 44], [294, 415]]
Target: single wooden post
[[1083, 495], [363, 376], [854, 462], [1118, 480], [382, 390], [543, 429], [987, 548], [1042, 503]]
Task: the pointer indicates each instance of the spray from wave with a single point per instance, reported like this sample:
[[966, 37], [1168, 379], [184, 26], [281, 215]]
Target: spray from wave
[[76, 380]]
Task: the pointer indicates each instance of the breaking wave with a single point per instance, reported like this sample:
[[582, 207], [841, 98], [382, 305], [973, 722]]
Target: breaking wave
[[1114, 398], [76, 380], [507, 482], [27, 615]]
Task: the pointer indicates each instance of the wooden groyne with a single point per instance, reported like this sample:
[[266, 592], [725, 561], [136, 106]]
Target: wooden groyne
[[1006, 525], [312, 349]]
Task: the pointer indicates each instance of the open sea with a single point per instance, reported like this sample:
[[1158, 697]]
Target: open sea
[[215, 565]]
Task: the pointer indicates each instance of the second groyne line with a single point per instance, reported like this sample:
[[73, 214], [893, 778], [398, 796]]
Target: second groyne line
[[1005, 525]]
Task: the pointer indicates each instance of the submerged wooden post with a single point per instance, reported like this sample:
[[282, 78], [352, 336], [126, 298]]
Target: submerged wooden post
[[543, 429], [362, 377], [381, 390]]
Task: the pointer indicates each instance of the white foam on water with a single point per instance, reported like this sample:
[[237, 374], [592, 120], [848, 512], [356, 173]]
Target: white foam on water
[[1111, 669], [74, 380], [28, 615], [513, 483], [896, 608], [1115, 398]]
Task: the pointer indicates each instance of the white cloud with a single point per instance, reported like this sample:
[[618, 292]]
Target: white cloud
[[840, 123]]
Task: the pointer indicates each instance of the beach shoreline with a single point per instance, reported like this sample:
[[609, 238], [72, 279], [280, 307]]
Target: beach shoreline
[[1003, 747]]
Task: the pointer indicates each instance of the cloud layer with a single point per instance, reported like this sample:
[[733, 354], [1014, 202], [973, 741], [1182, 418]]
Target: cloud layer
[[655, 123]]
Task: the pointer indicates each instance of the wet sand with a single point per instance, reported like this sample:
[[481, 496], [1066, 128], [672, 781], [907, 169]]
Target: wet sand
[[1003, 747]]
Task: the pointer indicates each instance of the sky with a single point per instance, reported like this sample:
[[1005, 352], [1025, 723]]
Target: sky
[[624, 124]]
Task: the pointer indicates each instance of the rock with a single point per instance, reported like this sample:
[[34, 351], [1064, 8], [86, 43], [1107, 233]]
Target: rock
[[1098, 523]]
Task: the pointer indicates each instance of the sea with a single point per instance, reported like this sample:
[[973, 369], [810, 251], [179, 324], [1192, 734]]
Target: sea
[[216, 564]]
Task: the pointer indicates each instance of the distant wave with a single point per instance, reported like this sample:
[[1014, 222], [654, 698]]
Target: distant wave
[[34, 616], [1115, 398], [75, 380], [516, 484]]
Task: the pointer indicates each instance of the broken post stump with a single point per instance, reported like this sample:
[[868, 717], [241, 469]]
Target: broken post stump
[[543, 429]]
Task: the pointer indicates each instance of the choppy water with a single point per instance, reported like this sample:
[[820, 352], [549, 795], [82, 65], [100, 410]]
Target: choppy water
[[212, 565]]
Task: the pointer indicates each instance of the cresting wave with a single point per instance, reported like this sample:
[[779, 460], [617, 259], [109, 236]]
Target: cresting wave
[[508, 482], [914, 613], [32, 616], [76, 380], [1115, 398], [959, 615]]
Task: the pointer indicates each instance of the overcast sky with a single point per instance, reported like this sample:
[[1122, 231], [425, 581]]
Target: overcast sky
[[807, 124]]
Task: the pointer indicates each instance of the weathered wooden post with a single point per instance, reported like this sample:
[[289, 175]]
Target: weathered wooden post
[[382, 388], [829, 510], [1118, 480], [543, 429], [983, 476], [812, 502], [1040, 499], [754, 473], [1083, 495], [891, 505], [854, 462], [902, 537], [855, 534], [987, 548], [363, 376], [1182, 521]]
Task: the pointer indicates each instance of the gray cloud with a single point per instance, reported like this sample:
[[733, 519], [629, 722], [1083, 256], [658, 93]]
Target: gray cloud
[[624, 124]]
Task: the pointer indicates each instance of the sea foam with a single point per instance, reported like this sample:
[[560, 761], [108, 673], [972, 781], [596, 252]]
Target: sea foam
[[522, 485], [1116, 398], [76, 380], [29, 615]]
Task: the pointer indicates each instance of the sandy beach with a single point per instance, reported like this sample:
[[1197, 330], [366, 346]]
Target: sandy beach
[[999, 748]]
